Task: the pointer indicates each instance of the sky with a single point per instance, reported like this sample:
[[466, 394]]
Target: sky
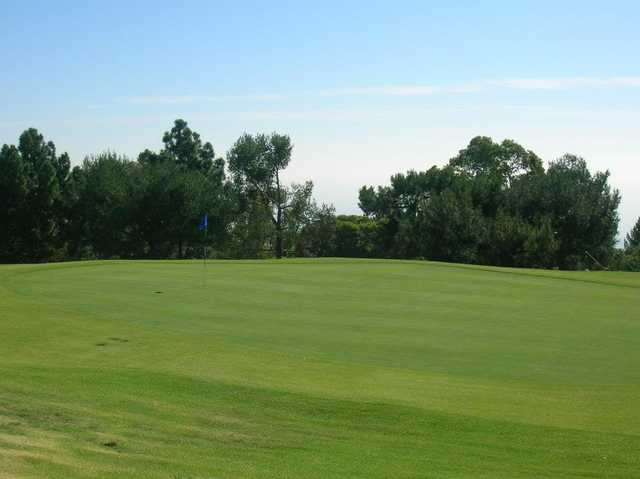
[[365, 89]]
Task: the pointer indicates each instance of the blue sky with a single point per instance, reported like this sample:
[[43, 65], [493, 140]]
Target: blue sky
[[365, 89]]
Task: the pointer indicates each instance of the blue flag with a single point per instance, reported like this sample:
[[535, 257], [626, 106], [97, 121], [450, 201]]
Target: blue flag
[[205, 223]]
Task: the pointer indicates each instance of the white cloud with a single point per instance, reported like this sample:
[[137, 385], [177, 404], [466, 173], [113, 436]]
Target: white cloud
[[517, 83], [375, 90], [397, 90], [565, 83], [175, 100], [160, 100]]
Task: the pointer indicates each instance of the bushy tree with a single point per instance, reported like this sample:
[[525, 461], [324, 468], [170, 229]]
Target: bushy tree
[[256, 163], [174, 189], [357, 237], [185, 147], [14, 186], [632, 240], [102, 222], [318, 235], [583, 210], [495, 204], [492, 204], [451, 228], [32, 178], [505, 161]]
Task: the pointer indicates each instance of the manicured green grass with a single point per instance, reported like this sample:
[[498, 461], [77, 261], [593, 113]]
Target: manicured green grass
[[317, 369]]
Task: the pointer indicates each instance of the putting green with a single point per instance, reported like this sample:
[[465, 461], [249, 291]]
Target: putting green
[[317, 369]]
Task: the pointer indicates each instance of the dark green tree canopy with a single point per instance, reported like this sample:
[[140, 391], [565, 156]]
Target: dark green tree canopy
[[494, 203], [633, 237], [504, 161], [256, 163], [258, 160], [33, 178], [184, 147]]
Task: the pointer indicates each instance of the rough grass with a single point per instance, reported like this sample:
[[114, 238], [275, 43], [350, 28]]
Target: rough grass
[[317, 369]]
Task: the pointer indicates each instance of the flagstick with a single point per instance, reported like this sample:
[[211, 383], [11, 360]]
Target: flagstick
[[204, 253]]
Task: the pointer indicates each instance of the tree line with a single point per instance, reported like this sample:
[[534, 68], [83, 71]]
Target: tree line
[[494, 203]]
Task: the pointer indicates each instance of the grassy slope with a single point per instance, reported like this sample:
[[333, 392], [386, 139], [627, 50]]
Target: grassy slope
[[317, 369]]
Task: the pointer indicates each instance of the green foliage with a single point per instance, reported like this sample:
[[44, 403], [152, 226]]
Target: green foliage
[[256, 163], [184, 147], [495, 204], [318, 234], [103, 215], [450, 228], [628, 259], [631, 260], [109, 206], [32, 178], [584, 211], [505, 161], [13, 197], [357, 237], [632, 239]]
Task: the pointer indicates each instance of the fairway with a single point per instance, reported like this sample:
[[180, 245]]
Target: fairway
[[317, 369]]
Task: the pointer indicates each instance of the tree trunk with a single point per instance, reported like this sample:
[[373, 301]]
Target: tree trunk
[[279, 233], [278, 217]]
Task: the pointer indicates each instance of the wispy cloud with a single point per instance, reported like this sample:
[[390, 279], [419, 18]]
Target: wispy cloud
[[174, 100], [375, 90], [159, 100], [406, 90], [398, 90], [566, 83]]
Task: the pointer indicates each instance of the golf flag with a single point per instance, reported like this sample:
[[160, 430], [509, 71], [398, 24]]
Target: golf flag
[[204, 224]]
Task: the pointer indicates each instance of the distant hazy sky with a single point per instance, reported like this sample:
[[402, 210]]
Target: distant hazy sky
[[365, 89]]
